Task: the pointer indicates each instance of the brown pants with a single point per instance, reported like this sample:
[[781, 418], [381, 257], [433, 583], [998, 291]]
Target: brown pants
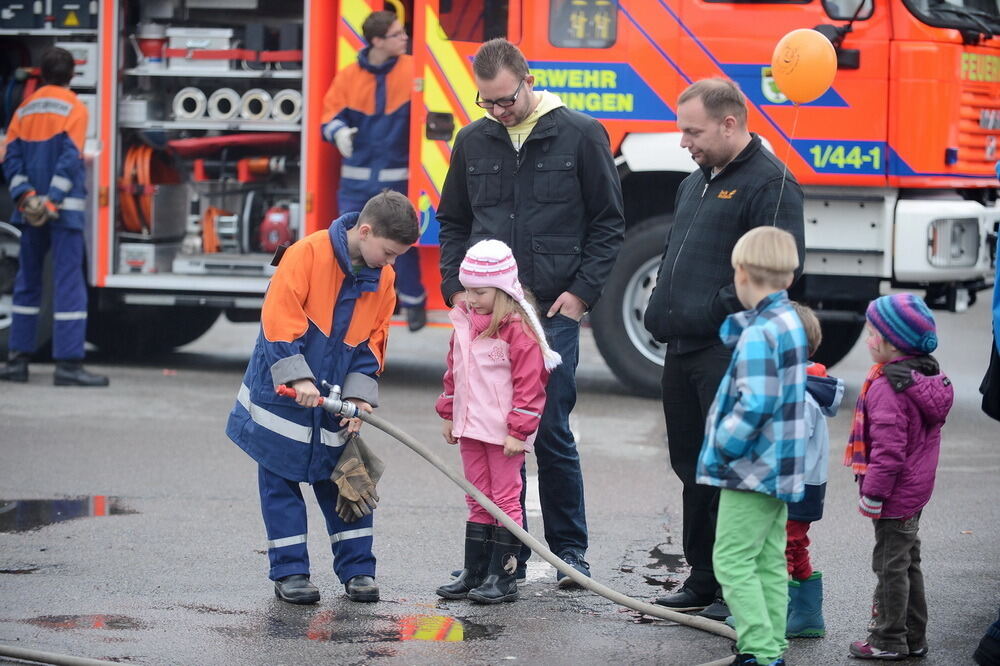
[[899, 610]]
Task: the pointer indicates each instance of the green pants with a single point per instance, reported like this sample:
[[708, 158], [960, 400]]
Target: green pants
[[749, 562]]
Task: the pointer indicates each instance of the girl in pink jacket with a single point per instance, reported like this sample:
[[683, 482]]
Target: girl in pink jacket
[[494, 394], [893, 450]]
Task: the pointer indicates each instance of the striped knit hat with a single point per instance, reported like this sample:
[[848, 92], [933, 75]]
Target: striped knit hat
[[490, 263], [905, 321]]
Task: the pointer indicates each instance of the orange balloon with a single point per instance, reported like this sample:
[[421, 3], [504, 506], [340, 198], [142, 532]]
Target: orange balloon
[[803, 64]]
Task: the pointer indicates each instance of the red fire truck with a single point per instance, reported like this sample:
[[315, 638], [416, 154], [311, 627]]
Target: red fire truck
[[206, 149]]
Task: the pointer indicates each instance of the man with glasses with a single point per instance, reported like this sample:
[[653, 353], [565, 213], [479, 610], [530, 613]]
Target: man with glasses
[[366, 114], [541, 178]]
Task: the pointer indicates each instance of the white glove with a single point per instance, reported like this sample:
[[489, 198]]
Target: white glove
[[344, 138]]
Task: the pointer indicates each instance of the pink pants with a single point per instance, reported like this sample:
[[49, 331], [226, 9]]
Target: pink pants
[[495, 475]]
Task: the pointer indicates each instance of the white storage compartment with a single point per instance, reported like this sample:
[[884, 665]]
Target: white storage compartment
[[183, 45], [85, 63]]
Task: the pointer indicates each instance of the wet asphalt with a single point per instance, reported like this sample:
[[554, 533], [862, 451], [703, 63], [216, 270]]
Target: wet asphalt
[[130, 529]]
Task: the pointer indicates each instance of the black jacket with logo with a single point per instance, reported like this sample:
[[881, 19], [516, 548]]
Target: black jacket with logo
[[557, 203], [694, 287]]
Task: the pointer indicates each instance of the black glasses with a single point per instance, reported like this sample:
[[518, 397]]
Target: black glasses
[[503, 102]]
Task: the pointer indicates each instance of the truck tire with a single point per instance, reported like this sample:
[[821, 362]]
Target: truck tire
[[839, 338], [10, 248], [146, 330], [630, 351]]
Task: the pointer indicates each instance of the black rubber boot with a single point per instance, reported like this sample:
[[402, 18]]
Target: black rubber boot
[[71, 373], [16, 369], [477, 560], [296, 589], [501, 583]]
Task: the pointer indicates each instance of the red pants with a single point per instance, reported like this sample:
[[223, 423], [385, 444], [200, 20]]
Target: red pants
[[495, 475], [797, 549]]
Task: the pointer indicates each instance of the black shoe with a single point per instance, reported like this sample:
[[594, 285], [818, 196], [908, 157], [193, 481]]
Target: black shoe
[[565, 582], [717, 610], [500, 584], [684, 599], [296, 589], [477, 560], [71, 373], [416, 317], [988, 651], [362, 588], [16, 369]]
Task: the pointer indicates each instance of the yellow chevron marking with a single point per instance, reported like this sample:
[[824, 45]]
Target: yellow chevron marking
[[355, 12], [346, 55], [457, 69]]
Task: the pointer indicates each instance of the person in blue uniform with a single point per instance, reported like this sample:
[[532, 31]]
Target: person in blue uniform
[[325, 318], [366, 114], [43, 165]]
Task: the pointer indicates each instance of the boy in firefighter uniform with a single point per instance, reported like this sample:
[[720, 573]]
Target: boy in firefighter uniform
[[366, 114], [325, 318], [43, 165]]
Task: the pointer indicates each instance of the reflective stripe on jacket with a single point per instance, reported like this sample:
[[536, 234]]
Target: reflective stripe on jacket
[[320, 319], [44, 153]]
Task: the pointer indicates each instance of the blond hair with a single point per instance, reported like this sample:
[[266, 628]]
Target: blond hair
[[810, 322], [504, 305], [769, 255]]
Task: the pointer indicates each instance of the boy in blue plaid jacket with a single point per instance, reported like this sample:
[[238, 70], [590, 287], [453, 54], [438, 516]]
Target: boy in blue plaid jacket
[[755, 439]]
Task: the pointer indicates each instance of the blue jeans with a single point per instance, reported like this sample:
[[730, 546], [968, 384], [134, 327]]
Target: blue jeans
[[560, 480]]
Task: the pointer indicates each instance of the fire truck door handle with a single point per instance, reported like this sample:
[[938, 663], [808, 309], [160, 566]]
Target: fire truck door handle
[[439, 126]]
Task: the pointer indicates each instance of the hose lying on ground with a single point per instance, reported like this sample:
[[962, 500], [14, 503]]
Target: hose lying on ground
[[694, 621]]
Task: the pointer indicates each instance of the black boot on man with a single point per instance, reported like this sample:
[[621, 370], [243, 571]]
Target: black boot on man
[[362, 588], [296, 589], [16, 369], [501, 582], [71, 373], [477, 560]]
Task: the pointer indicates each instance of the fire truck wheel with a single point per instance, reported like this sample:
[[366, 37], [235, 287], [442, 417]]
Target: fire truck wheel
[[10, 248], [627, 347], [839, 339], [140, 331]]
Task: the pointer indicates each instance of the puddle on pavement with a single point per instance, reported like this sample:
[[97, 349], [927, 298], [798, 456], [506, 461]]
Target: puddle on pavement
[[66, 622], [24, 515], [340, 627], [671, 561]]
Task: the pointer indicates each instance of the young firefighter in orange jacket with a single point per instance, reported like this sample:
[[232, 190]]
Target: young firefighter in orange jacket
[[366, 114], [325, 317], [43, 165]]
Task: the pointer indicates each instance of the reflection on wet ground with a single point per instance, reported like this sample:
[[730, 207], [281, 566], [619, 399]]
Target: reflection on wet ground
[[65, 622], [672, 562], [23, 515], [342, 627]]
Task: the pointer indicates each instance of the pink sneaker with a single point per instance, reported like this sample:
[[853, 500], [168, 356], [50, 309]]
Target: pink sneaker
[[865, 650]]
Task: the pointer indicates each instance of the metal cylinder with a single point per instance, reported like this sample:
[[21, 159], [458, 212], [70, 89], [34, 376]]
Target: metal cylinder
[[255, 104], [189, 103], [224, 104], [287, 106]]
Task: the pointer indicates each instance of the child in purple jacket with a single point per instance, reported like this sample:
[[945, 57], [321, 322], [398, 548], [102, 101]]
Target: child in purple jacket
[[893, 450]]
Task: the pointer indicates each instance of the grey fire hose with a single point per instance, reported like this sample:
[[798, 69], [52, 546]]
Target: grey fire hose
[[335, 405]]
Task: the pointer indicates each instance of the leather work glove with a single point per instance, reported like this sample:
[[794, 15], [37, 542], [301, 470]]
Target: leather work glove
[[34, 210], [356, 474], [344, 138]]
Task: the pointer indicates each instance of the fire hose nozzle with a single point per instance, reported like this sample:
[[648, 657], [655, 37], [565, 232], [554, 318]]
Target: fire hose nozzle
[[331, 403]]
